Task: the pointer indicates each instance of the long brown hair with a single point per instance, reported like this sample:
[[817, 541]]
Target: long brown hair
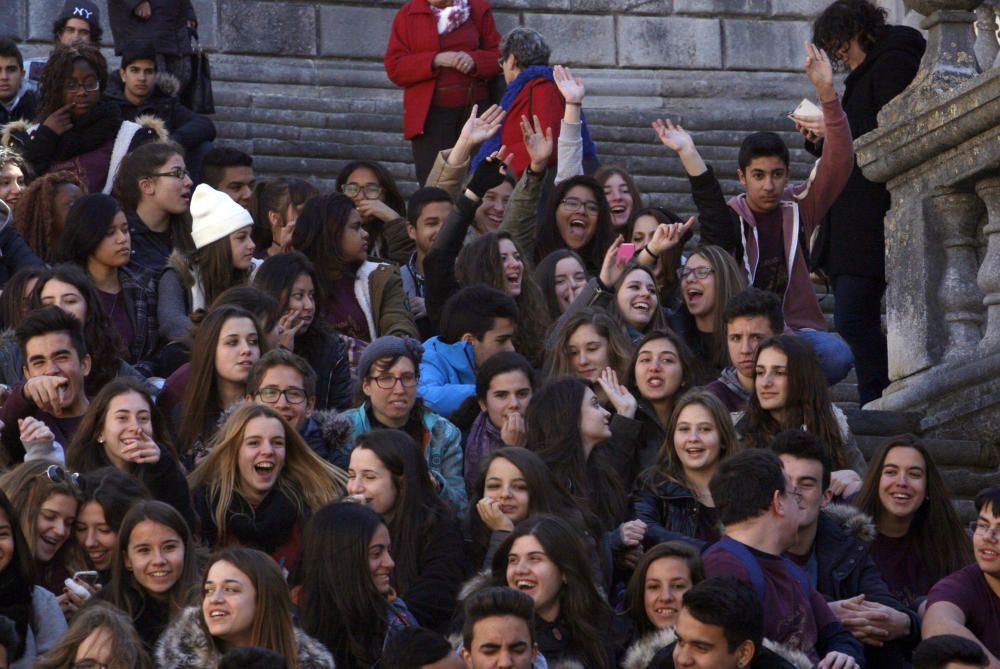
[[203, 404], [306, 479], [27, 487], [214, 263], [635, 593], [619, 346], [479, 262], [127, 651], [668, 466], [85, 453], [937, 532], [272, 626], [808, 402], [34, 213], [123, 591], [729, 281]]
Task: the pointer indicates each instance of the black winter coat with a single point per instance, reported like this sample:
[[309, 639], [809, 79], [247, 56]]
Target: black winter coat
[[852, 236], [24, 110], [165, 30], [670, 514], [15, 254], [845, 568], [185, 127]]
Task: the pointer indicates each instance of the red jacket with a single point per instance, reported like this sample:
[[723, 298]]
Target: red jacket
[[413, 44], [539, 97]]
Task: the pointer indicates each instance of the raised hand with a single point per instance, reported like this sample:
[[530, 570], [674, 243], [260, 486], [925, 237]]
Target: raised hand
[[479, 129], [619, 396], [612, 268], [674, 137], [571, 87], [538, 144], [34, 431], [668, 235], [492, 517], [513, 431], [48, 393], [288, 326], [811, 127], [370, 209], [141, 449], [820, 71], [489, 174]]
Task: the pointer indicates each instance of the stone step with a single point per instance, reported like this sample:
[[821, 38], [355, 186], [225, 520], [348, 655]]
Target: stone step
[[883, 423], [844, 392]]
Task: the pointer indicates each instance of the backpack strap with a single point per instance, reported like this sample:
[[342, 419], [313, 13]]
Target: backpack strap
[[746, 558]]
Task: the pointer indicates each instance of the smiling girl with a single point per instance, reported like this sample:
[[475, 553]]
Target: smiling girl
[[223, 258], [577, 218], [33, 609], [656, 589], [259, 483], [244, 603], [108, 494], [46, 502], [154, 574], [123, 428], [673, 498], [561, 276]]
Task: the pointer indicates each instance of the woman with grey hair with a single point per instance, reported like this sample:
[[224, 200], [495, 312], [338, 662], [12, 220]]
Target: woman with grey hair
[[531, 91]]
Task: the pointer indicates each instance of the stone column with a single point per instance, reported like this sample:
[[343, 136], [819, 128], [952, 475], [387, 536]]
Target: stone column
[[989, 271], [957, 214], [987, 46]]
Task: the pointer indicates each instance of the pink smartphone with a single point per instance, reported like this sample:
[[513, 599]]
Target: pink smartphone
[[625, 252]]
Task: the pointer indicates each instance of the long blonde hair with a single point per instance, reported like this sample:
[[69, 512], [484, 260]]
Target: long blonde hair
[[306, 479]]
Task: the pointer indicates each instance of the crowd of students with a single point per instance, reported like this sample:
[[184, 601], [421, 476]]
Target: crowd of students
[[247, 423]]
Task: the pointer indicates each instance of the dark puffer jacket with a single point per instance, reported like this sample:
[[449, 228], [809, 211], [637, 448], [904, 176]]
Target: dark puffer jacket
[[185, 127]]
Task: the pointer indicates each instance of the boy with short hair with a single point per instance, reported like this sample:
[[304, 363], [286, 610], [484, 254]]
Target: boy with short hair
[[476, 322], [425, 214], [767, 227], [231, 171], [967, 603], [750, 317], [17, 99], [499, 625]]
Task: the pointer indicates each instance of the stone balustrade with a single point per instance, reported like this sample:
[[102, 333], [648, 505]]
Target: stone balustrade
[[938, 151]]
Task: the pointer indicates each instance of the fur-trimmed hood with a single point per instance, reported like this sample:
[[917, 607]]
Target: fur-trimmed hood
[[14, 128], [641, 653], [853, 521], [186, 645], [17, 132]]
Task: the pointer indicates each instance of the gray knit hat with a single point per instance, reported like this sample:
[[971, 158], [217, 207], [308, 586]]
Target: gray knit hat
[[389, 346]]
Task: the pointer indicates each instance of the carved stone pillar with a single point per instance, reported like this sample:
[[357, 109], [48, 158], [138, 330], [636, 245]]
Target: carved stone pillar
[[987, 46], [989, 271], [958, 215]]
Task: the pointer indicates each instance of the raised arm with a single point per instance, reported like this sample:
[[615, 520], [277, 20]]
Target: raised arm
[[519, 219], [570, 150]]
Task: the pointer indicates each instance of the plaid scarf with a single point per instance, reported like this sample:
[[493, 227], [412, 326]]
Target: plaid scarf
[[452, 17]]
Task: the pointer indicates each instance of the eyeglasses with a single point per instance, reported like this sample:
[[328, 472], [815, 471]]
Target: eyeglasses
[[388, 381], [88, 664], [698, 272], [57, 474], [270, 394], [984, 530], [575, 204], [371, 191], [176, 173], [90, 85]]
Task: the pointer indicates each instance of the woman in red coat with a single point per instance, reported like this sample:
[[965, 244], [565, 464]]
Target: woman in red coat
[[443, 53]]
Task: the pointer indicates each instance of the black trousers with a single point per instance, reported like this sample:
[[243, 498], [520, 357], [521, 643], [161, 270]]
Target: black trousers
[[441, 131], [857, 315]]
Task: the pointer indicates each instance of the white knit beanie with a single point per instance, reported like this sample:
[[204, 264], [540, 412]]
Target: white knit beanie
[[215, 215]]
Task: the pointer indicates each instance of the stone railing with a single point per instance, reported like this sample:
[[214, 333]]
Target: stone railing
[[938, 151]]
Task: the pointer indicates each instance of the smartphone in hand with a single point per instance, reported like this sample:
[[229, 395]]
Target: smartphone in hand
[[625, 252]]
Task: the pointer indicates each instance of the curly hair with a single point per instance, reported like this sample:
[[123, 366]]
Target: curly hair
[[844, 20], [59, 68], [96, 31], [35, 216]]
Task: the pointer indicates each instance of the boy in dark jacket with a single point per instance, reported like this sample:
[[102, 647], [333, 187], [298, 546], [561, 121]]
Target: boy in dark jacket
[[17, 100], [767, 227], [834, 548]]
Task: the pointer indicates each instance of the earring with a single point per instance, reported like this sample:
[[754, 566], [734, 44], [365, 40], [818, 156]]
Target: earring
[[100, 440]]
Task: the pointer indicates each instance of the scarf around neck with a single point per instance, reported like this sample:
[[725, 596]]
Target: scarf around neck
[[92, 130], [514, 89], [484, 438], [452, 17], [266, 527]]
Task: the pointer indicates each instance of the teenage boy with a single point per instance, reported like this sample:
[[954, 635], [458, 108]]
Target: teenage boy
[[476, 322], [17, 99], [833, 548], [51, 402], [79, 21], [425, 214], [767, 226], [760, 511], [499, 630], [750, 317], [140, 90], [720, 626], [967, 603], [231, 171], [286, 383]]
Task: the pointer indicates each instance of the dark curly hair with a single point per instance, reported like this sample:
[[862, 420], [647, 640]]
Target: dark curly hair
[[59, 68], [96, 31], [844, 20]]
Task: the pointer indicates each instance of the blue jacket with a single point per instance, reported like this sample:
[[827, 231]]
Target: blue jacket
[[443, 452], [447, 375]]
